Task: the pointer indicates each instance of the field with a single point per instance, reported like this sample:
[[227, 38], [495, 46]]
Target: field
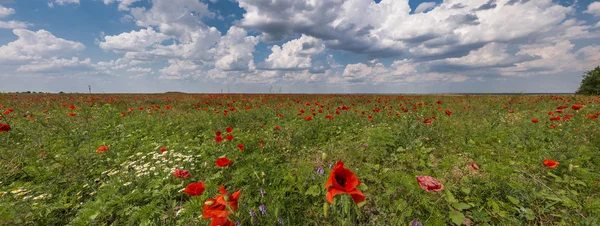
[[124, 159]]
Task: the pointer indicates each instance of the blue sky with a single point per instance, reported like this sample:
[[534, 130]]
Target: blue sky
[[326, 46]]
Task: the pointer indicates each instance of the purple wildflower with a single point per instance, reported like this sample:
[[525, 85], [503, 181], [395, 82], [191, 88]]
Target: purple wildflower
[[262, 209], [321, 171], [416, 223]]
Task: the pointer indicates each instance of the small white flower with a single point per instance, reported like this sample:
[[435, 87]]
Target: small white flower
[[179, 212], [127, 183]]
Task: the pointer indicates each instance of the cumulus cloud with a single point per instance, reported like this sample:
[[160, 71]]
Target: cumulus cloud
[[32, 45], [133, 41], [552, 58], [14, 24], [295, 54], [179, 68], [387, 28], [594, 9], [139, 69], [234, 51], [123, 4], [57, 65], [424, 6], [62, 2], [4, 11]]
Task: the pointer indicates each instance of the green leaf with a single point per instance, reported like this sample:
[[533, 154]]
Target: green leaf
[[363, 187], [313, 190], [457, 217], [466, 190], [461, 206], [450, 198], [513, 199]]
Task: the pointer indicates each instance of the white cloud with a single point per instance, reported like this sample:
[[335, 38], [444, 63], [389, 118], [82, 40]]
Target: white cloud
[[56, 65], [14, 24], [179, 68], [35, 45], [133, 41], [173, 17], [553, 58], [62, 2], [139, 69], [424, 6], [594, 9], [387, 28], [295, 54], [235, 49], [123, 4], [4, 11]]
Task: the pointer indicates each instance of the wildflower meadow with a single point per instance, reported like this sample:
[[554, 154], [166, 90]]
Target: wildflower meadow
[[284, 159]]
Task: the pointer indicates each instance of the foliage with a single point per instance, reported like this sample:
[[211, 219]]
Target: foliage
[[52, 173], [590, 85]]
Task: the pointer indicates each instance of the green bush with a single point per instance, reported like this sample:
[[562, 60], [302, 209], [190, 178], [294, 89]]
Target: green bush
[[591, 82]]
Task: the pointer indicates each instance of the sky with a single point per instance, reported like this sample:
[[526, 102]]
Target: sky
[[296, 46]]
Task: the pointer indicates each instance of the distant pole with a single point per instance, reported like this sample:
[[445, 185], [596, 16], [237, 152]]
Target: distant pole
[[90, 88]]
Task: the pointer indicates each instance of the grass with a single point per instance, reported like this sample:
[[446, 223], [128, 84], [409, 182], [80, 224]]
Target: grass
[[52, 174]]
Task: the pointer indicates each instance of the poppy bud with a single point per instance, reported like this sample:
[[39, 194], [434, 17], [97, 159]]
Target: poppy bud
[[209, 203], [323, 156], [226, 197], [325, 209]]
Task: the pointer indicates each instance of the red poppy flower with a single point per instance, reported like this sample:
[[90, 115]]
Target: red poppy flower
[[576, 107], [229, 129], [475, 166], [557, 118], [181, 174], [549, 163], [4, 128], [534, 120], [218, 133], [72, 114], [343, 181], [163, 149], [229, 138], [223, 162], [221, 221], [448, 112], [277, 128], [194, 189], [217, 207], [233, 198], [241, 147], [8, 111], [428, 184], [308, 118], [219, 139], [370, 117], [552, 126], [427, 121], [102, 148], [72, 107]]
